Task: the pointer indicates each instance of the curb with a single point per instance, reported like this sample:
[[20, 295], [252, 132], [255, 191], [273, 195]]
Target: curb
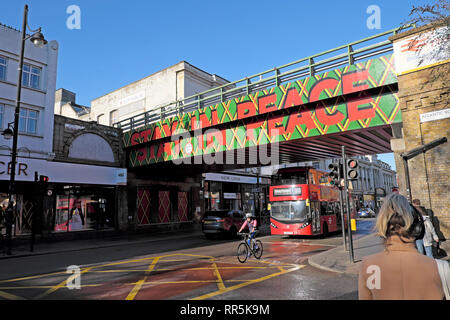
[[336, 249], [318, 266]]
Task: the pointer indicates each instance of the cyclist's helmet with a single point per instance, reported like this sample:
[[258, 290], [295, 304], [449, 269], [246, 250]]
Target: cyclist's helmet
[[249, 215]]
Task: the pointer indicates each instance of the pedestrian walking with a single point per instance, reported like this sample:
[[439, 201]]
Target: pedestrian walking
[[400, 272], [430, 233], [4, 205]]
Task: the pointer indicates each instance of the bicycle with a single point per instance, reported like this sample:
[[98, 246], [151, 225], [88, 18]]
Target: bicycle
[[244, 249]]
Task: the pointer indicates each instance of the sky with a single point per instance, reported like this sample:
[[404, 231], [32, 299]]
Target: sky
[[119, 42]]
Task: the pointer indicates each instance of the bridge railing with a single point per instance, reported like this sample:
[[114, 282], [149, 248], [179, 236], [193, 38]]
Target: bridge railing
[[332, 59]]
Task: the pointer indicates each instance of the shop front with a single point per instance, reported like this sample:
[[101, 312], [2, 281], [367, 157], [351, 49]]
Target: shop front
[[79, 197], [235, 192], [164, 204]]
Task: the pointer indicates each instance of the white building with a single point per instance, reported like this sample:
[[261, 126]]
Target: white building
[[35, 138], [168, 85], [65, 105]]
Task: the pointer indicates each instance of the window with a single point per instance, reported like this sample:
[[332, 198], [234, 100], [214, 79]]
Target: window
[[289, 210], [2, 111], [330, 208], [28, 121], [290, 178], [337, 209], [31, 76], [100, 118], [2, 68], [323, 208], [113, 117]]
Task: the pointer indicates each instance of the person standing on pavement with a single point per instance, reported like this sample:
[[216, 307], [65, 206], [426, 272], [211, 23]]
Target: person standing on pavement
[[430, 233], [399, 272]]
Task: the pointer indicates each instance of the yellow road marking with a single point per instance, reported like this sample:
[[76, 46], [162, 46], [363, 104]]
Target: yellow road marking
[[249, 282], [43, 287], [220, 283], [139, 284], [61, 284], [10, 296], [33, 277]]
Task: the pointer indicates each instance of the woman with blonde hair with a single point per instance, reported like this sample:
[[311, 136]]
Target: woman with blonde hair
[[399, 272]]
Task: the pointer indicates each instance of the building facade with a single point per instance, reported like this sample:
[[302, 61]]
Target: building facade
[[94, 182], [424, 86], [65, 105], [154, 201], [35, 130], [171, 84]]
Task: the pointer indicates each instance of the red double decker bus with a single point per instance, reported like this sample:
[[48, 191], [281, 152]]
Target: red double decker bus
[[303, 202]]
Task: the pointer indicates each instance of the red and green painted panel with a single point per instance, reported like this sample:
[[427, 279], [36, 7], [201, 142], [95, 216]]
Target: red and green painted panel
[[354, 78], [164, 207], [182, 206], [143, 211], [335, 101]]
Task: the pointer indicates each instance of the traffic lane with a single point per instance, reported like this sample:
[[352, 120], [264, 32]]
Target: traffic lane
[[364, 227], [307, 283], [16, 267], [59, 261], [102, 285], [200, 273]]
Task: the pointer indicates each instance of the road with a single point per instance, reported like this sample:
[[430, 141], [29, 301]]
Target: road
[[190, 267]]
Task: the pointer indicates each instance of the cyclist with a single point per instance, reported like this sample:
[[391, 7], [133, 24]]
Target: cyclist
[[251, 223]]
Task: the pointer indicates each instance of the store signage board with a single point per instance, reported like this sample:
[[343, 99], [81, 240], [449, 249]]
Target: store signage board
[[230, 178], [62, 172]]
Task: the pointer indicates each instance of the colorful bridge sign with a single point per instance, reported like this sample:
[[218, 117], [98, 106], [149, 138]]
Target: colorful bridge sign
[[354, 97]]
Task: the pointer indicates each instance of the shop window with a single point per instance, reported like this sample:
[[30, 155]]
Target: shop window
[[83, 209]]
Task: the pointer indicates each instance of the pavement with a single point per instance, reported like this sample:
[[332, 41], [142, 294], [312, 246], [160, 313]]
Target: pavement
[[338, 259]]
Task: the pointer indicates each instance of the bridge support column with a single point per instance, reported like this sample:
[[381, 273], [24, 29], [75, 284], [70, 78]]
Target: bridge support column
[[424, 103]]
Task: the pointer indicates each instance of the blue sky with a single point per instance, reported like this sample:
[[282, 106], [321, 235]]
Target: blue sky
[[122, 41]]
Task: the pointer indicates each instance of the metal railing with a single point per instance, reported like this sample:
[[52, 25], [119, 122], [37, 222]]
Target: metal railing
[[344, 55]]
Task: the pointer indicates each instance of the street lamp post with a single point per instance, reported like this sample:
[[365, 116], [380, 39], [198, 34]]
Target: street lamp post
[[37, 39]]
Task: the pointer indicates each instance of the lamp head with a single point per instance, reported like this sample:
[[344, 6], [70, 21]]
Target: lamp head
[[38, 39], [7, 133]]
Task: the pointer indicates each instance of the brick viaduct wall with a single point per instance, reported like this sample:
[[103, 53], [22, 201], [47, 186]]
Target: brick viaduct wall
[[423, 91]]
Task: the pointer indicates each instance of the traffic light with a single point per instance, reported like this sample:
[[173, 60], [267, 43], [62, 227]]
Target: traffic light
[[352, 173], [43, 182], [335, 174]]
